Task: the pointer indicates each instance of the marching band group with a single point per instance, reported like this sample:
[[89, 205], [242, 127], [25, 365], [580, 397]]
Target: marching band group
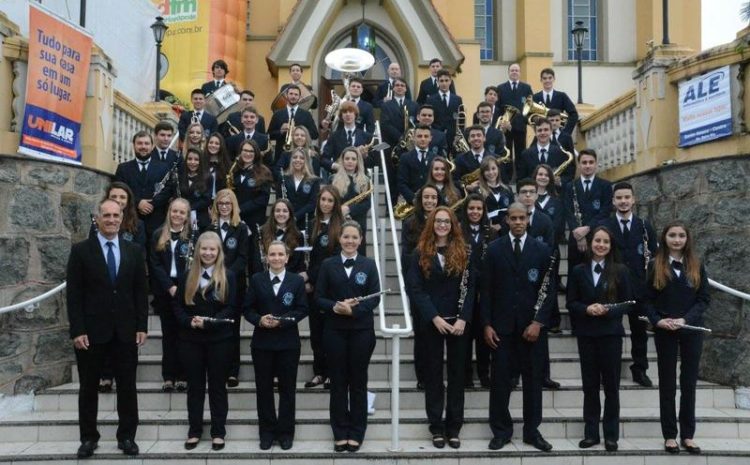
[[480, 262]]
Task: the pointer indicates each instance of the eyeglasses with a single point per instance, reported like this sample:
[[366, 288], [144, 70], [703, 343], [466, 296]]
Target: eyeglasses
[[442, 221], [527, 192], [223, 204]]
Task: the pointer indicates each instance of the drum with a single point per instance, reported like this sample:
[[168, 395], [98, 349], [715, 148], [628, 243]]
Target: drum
[[222, 102], [306, 101]]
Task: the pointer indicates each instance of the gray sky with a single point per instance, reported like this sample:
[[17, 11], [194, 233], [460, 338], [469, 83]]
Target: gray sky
[[720, 20]]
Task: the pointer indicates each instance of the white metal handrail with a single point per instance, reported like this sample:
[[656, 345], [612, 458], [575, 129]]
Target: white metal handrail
[[33, 303], [396, 332], [728, 290]]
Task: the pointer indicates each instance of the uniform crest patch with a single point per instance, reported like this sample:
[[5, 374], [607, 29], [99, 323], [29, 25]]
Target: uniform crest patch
[[360, 278], [127, 236], [231, 243], [324, 240], [306, 188], [596, 204], [288, 298], [533, 275]]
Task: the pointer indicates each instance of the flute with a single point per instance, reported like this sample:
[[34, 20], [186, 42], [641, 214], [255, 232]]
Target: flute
[[372, 296], [618, 304], [685, 326], [283, 318], [208, 319]]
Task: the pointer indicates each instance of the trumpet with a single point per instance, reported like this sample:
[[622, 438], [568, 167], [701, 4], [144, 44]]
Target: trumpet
[[459, 141], [507, 117], [289, 134], [389, 94], [230, 174], [332, 110]]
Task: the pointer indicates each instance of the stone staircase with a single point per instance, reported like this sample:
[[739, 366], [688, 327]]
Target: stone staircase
[[49, 433]]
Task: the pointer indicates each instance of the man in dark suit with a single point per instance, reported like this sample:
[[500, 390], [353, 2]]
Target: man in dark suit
[[108, 313], [494, 140], [142, 174], [247, 98], [588, 202], [438, 142], [511, 277], [543, 152], [429, 86], [346, 135], [514, 92], [249, 132], [559, 137], [556, 99], [219, 69], [491, 97], [198, 114], [295, 72], [279, 125], [413, 165], [470, 161], [635, 239], [446, 105], [163, 134], [392, 114], [366, 118], [386, 87]]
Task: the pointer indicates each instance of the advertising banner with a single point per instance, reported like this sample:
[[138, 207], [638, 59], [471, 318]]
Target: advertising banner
[[59, 58], [705, 107]]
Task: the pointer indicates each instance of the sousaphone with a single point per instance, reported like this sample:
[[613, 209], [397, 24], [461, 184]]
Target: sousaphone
[[347, 61]]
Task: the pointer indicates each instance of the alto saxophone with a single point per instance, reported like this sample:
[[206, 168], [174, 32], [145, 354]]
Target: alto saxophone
[[459, 141], [359, 197], [560, 169], [230, 175]]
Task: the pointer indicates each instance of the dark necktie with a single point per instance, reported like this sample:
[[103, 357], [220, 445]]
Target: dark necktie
[[587, 188], [348, 263], [248, 136], [677, 265], [442, 249], [163, 154], [477, 158], [548, 100], [513, 86], [280, 232], [275, 280], [143, 166], [174, 235], [598, 269], [541, 198], [111, 263], [423, 156], [625, 230], [198, 115], [291, 114], [475, 233], [517, 247], [543, 156], [554, 138], [225, 227], [218, 83], [445, 100], [349, 138], [206, 276]]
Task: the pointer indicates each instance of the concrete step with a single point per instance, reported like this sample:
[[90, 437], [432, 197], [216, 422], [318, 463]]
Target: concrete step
[[633, 451], [637, 422], [563, 342], [563, 365], [150, 397]]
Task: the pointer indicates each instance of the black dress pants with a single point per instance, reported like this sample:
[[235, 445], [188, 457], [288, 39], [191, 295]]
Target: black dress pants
[[316, 321], [600, 365], [124, 358], [516, 141], [280, 364], [689, 345], [480, 348], [348, 353], [203, 359], [171, 365], [638, 338], [530, 359], [234, 367], [436, 345]]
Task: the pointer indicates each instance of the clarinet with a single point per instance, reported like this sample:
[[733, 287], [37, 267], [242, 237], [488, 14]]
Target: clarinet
[[191, 248], [486, 238], [464, 286], [260, 249], [283, 318], [283, 185], [305, 242], [93, 223], [211, 320], [646, 251], [544, 288], [576, 206]]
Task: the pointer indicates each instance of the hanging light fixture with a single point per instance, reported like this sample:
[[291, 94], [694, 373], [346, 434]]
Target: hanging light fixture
[[363, 36]]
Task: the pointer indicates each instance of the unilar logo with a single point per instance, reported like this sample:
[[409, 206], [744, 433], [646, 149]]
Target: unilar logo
[[704, 88], [178, 10], [58, 131]]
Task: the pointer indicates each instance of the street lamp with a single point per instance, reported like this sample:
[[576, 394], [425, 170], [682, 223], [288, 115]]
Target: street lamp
[[159, 28], [579, 35]]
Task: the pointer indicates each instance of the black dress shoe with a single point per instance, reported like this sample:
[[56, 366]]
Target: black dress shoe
[[672, 449], [353, 447], [469, 383], [316, 380], [550, 384], [555, 330], [484, 381], [438, 441], [694, 450], [87, 449], [514, 382], [340, 447], [128, 447], [190, 445], [286, 443], [498, 443], [455, 443], [266, 443], [232, 381], [610, 445], [420, 385], [588, 442], [216, 445], [327, 383], [640, 377], [540, 443]]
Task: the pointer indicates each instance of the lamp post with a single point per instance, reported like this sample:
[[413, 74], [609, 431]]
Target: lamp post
[[579, 35], [665, 22], [159, 28]]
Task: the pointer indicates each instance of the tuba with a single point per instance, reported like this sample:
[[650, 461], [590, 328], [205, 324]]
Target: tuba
[[533, 111], [507, 117], [347, 61], [459, 141]]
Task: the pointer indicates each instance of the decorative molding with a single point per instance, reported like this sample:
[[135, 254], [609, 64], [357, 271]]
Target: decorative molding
[[20, 71]]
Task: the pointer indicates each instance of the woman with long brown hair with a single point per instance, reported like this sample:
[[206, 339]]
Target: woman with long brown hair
[[439, 175], [677, 295], [326, 230], [497, 195], [193, 179], [440, 285], [592, 285], [282, 227], [252, 184], [218, 162], [207, 291], [194, 138]]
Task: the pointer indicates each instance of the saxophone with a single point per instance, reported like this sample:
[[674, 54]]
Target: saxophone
[[359, 197], [230, 175], [560, 169], [544, 288], [459, 141]]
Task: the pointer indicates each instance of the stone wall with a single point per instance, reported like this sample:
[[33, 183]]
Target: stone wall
[[712, 198], [46, 207]]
